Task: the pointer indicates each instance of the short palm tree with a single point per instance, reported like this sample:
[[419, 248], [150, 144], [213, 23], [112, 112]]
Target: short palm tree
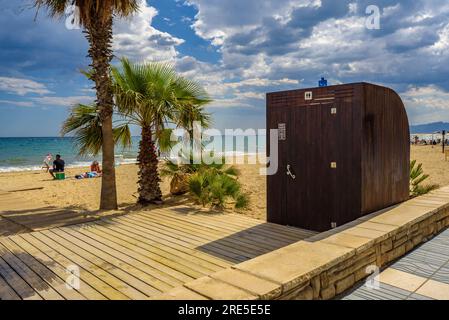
[[96, 18], [210, 186], [153, 97], [417, 177]]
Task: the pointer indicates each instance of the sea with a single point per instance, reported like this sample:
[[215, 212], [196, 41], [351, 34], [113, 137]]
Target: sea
[[27, 154]]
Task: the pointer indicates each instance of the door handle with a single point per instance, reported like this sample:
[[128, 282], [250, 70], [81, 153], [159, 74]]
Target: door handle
[[289, 172]]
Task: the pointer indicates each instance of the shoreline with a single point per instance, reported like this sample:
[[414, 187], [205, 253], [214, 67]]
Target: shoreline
[[124, 161]]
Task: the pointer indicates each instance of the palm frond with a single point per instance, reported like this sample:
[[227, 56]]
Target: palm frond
[[164, 139], [122, 135], [90, 10], [153, 95], [417, 177], [84, 124], [210, 187]]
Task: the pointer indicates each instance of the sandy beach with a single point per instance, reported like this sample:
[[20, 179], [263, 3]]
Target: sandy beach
[[84, 194], [40, 188]]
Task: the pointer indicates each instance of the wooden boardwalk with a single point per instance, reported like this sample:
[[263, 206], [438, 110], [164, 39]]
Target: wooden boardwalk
[[134, 256], [18, 214]]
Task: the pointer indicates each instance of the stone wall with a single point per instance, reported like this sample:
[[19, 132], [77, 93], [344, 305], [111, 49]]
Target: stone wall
[[327, 265]]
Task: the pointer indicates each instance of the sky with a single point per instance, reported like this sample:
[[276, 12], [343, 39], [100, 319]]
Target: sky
[[237, 49]]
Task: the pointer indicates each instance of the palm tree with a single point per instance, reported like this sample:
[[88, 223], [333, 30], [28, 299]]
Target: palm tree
[[85, 124], [96, 18], [190, 114], [153, 96]]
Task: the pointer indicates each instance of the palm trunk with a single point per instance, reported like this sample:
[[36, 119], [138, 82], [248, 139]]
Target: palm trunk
[[149, 189], [99, 35]]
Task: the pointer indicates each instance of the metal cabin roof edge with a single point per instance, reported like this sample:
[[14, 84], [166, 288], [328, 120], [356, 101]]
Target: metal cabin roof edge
[[331, 86]]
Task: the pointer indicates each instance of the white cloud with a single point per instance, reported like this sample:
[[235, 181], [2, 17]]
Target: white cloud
[[63, 101], [426, 104], [217, 20], [22, 86], [441, 47], [283, 44], [26, 104], [136, 39], [298, 39], [230, 103], [258, 82]]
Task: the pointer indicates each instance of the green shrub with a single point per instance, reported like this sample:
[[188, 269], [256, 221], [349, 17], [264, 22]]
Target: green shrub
[[417, 177], [171, 168], [210, 186]]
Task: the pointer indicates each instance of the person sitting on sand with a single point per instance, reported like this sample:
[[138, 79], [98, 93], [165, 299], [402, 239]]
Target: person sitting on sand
[[95, 167], [95, 172], [47, 161], [58, 166]]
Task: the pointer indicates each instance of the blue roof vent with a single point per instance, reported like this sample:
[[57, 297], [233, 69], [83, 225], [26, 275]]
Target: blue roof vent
[[322, 83]]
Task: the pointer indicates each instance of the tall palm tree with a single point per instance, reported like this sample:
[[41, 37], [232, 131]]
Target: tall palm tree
[[153, 96], [96, 18]]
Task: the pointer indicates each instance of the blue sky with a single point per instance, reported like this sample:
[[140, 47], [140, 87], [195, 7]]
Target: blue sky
[[238, 49]]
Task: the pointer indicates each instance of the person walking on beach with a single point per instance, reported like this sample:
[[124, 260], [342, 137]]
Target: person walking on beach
[[58, 166], [47, 161]]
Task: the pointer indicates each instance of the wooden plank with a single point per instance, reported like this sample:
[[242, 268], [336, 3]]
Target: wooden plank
[[20, 286], [92, 275], [108, 273], [164, 240], [292, 231], [6, 292], [186, 238], [213, 235], [210, 240], [138, 281], [165, 247], [152, 252], [144, 256], [57, 268], [53, 280], [160, 271], [251, 236], [28, 275], [8, 227], [208, 234], [46, 220], [222, 251], [248, 235]]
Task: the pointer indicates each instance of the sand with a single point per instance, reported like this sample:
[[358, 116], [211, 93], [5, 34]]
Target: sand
[[84, 194], [434, 163]]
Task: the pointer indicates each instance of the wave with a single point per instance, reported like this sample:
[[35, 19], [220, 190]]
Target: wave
[[76, 164], [19, 169], [119, 159]]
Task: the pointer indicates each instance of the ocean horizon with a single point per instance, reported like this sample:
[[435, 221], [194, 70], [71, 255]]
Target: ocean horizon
[[28, 153]]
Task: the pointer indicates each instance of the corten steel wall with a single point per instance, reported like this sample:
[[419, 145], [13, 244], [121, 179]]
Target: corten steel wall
[[385, 149], [367, 138]]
